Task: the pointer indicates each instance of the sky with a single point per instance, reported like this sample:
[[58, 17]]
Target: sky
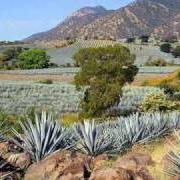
[[22, 18]]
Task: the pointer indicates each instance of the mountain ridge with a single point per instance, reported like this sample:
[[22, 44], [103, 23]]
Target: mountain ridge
[[135, 19]]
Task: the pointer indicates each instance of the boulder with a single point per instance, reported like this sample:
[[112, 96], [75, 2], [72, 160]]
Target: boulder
[[110, 173], [128, 167], [59, 165], [175, 178], [134, 161], [99, 161]]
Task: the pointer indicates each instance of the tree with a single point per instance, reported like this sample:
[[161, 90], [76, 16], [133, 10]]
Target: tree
[[144, 38], [130, 40], [166, 47], [33, 59], [176, 52], [104, 71]]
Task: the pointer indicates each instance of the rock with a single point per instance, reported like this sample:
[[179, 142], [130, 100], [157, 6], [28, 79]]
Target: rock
[[176, 178], [134, 161], [99, 161], [60, 165], [128, 167], [110, 174]]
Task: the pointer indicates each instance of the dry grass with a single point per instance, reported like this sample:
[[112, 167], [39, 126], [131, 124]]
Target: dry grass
[[36, 78], [157, 150]]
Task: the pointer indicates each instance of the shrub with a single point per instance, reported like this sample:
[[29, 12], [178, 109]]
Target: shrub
[[33, 59], [171, 81], [176, 52], [104, 71], [156, 62], [157, 102], [45, 81], [166, 47]]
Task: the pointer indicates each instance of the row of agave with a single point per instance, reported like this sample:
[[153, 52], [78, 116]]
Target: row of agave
[[43, 136]]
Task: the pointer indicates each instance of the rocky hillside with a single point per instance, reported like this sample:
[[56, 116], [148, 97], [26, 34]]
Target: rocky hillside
[[70, 27], [138, 18]]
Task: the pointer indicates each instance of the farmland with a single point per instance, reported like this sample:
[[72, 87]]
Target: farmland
[[18, 97]]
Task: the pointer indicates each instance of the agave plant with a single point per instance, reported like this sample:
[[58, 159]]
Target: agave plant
[[173, 158], [3, 130], [91, 139], [43, 137]]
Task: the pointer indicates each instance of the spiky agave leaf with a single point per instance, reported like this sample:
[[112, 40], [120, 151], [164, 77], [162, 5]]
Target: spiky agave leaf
[[91, 139], [3, 131], [43, 137], [173, 158]]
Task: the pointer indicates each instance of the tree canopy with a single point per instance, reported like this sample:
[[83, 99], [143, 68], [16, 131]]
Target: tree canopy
[[33, 59], [104, 71]]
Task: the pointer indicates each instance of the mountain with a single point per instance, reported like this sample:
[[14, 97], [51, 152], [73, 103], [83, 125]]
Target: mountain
[[172, 27], [70, 27], [142, 17]]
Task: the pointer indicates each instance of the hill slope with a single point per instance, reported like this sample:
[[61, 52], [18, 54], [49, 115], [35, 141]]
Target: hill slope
[[70, 27], [138, 18]]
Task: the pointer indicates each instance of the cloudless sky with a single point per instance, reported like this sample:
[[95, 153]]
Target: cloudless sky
[[22, 18]]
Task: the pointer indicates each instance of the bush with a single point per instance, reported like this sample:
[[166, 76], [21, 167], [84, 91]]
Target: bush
[[176, 52], [45, 81], [104, 71], [166, 47], [157, 102], [156, 62], [33, 59]]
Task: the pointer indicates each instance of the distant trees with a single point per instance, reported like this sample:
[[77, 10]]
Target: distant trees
[[130, 40], [144, 38], [166, 47], [33, 59], [104, 71], [24, 58]]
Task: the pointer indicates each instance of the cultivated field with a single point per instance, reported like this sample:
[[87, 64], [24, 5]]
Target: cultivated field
[[18, 97]]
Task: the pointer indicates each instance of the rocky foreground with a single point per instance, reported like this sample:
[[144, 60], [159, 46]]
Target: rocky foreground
[[65, 165]]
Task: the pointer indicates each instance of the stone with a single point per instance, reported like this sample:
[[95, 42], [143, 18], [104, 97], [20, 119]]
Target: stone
[[110, 173], [134, 161], [59, 165]]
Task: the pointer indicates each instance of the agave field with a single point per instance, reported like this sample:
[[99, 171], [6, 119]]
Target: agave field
[[92, 138], [64, 55], [18, 97]]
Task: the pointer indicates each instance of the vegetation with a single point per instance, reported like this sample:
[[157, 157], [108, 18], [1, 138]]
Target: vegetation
[[104, 71], [173, 157], [166, 47], [91, 139], [158, 102], [156, 62], [45, 81], [168, 83], [176, 52], [33, 59], [42, 138]]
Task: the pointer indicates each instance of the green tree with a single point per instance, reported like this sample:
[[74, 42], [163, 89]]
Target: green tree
[[166, 47], [104, 71], [33, 59]]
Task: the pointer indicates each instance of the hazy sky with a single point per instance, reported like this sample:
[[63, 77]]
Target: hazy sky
[[21, 18]]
